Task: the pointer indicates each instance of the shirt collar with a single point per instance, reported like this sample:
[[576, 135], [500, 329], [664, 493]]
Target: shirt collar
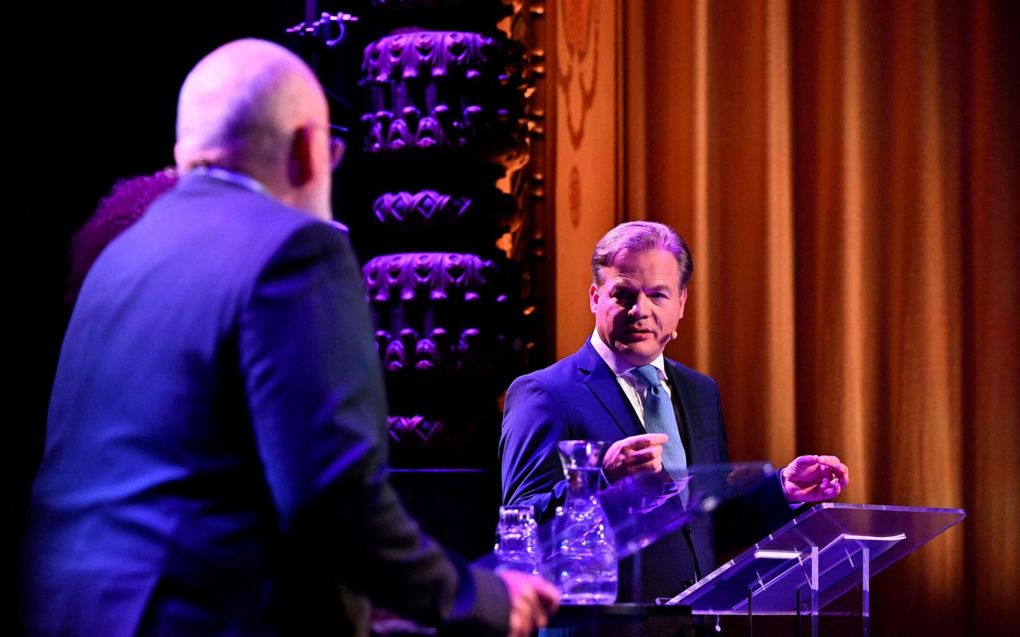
[[249, 183], [621, 367], [230, 176]]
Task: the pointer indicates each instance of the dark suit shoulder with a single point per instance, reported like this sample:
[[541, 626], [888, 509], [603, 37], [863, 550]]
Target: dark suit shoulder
[[692, 376], [230, 234], [232, 216], [529, 391], [564, 372]]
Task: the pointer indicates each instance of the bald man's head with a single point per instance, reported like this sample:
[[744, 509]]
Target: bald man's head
[[249, 106]]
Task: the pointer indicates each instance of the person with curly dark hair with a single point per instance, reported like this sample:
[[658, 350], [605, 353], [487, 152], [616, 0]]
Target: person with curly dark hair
[[125, 204]]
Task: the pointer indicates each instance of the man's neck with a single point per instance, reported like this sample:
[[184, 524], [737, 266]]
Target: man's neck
[[231, 176], [618, 364]]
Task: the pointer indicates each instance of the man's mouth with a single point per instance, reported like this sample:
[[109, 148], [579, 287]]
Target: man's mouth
[[638, 333]]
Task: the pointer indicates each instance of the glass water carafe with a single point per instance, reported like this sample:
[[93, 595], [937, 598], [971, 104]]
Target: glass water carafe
[[517, 545], [584, 549]]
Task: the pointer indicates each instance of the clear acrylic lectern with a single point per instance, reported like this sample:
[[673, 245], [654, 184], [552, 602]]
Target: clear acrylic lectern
[[807, 566]]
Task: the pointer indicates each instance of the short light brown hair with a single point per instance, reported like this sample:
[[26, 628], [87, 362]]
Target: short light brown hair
[[634, 237]]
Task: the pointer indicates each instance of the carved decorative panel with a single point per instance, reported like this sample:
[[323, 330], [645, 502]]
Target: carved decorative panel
[[437, 202]]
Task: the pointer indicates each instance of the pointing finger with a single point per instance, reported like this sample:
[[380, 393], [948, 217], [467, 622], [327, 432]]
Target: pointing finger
[[647, 440]]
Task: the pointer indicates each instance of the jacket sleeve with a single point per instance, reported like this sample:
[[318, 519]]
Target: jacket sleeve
[[316, 399], [533, 422]]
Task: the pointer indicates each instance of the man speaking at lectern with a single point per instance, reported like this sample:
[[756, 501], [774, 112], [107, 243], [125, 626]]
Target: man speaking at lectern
[[657, 414]]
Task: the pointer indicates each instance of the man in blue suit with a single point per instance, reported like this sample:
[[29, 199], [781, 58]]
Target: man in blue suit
[[216, 449], [608, 391]]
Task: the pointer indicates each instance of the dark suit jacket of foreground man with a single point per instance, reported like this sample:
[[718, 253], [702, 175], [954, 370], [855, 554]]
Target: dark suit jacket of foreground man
[[216, 444], [579, 398]]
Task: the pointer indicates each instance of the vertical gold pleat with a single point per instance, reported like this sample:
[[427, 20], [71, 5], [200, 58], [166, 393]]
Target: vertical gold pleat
[[847, 176]]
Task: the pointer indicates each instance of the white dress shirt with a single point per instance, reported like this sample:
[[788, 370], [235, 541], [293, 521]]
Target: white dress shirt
[[633, 388]]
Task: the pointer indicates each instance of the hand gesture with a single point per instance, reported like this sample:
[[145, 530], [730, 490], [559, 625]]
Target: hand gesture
[[633, 455], [814, 478], [532, 600]]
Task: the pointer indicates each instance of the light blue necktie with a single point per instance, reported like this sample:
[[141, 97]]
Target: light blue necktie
[[661, 419]]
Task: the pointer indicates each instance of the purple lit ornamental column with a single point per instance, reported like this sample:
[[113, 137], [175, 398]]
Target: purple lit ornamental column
[[444, 219]]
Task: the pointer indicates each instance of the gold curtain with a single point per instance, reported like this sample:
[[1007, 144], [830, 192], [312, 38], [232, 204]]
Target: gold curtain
[[846, 175]]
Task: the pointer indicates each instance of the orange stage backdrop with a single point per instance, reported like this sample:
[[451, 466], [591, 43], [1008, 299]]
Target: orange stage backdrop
[[847, 176]]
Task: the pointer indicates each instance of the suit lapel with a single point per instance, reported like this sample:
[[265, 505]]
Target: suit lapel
[[682, 403], [603, 385]]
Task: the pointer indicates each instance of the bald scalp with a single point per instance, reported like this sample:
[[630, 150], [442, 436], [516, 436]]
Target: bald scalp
[[239, 104]]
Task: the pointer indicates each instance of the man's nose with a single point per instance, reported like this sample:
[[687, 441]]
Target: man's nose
[[640, 306]]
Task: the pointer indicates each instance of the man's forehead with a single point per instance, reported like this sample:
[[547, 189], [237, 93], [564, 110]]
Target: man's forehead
[[638, 279], [650, 263], [621, 281]]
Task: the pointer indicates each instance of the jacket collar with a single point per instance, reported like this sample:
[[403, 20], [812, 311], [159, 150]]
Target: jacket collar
[[601, 381]]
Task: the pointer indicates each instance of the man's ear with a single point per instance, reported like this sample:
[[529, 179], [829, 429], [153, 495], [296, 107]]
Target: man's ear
[[186, 155], [593, 298], [300, 163], [180, 156]]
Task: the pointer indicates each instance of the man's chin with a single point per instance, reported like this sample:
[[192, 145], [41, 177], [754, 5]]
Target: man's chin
[[637, 354]]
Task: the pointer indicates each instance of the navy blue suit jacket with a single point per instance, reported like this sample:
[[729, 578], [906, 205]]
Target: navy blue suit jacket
[[579, 398], [216, 446]]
